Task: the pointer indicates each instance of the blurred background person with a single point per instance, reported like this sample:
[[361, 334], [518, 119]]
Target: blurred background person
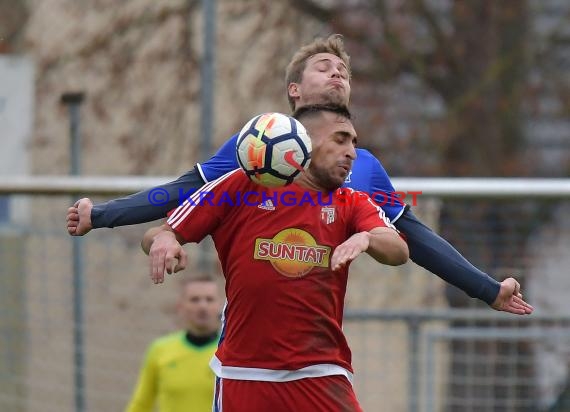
[[175, 375]]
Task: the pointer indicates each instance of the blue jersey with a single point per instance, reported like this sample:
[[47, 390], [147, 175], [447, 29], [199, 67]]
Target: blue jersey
[[367, 175]]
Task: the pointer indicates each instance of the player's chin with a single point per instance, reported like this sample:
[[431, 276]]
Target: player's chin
[[333, 179], [338, 181], [337, 95]]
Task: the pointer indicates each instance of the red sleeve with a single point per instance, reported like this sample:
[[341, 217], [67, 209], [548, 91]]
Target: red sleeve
[[366, 215], [203, 211]]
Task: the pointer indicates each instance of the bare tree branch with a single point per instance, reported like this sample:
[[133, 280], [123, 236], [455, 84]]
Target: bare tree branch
[[442, 41], [390, 36]]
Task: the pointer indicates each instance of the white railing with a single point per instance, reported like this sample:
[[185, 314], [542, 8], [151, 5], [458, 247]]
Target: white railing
[[441, 187]]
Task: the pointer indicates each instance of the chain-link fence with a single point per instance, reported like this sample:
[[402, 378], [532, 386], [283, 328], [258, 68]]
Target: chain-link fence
[[417, 345]]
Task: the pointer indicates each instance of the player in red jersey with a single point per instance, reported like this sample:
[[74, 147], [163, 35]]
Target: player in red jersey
[[286, 270]]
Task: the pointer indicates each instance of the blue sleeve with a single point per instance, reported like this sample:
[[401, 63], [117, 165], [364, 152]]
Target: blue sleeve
[[434, 253], [382, 191], [222, 162], [146, 206]]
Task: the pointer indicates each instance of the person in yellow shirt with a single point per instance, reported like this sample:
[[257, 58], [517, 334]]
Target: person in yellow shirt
[[176, 375]]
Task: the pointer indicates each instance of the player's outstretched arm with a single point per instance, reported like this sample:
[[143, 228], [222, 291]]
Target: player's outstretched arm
[[154, 203], [141, 207], [382, 243], [510, 299], [427, 248], [435, 254], [165, 251]]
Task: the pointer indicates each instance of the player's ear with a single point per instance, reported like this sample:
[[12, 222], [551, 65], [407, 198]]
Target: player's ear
[[293, 90]]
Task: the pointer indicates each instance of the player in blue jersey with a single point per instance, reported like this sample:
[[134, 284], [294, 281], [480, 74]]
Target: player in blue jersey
[[319, 72]]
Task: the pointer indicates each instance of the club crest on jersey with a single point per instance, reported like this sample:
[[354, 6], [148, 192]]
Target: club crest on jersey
[[328, 214], [292, 252]]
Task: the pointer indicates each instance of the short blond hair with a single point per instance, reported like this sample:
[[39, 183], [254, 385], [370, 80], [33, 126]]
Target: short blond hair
[[333, 44]]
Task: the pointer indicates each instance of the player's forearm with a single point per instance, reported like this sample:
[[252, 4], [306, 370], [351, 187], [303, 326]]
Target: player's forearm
[[387, 247], [146, 206], [434, 253]]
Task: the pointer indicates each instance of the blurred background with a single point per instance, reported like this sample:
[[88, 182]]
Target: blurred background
[[441, 88]]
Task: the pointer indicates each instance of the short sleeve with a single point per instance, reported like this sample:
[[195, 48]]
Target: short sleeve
[[202, 212], [222, 162], [382, 191], [367, 215]]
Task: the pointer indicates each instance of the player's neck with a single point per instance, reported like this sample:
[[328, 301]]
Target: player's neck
[[198, 339], [308, 181]]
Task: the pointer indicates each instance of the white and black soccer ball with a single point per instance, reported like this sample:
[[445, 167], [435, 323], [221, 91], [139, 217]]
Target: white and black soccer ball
[[273, 149]]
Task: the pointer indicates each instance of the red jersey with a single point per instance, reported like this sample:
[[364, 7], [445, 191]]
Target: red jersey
[[283, 317]]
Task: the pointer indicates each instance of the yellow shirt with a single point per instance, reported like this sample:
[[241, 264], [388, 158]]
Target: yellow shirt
[[177, 375]]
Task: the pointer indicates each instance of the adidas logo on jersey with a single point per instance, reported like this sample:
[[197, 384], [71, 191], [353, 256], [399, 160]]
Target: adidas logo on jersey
[[266, 205]]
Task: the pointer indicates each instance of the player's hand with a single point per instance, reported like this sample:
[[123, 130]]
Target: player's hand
[[79, 217], [349, 250], [510, 299], [166, 255]]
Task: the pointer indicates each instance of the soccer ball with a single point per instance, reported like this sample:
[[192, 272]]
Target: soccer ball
[[273, 149]]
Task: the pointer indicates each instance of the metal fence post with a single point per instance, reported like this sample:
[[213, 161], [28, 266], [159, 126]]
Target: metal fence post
[[73, 102], [207, 74], [413, 365]]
